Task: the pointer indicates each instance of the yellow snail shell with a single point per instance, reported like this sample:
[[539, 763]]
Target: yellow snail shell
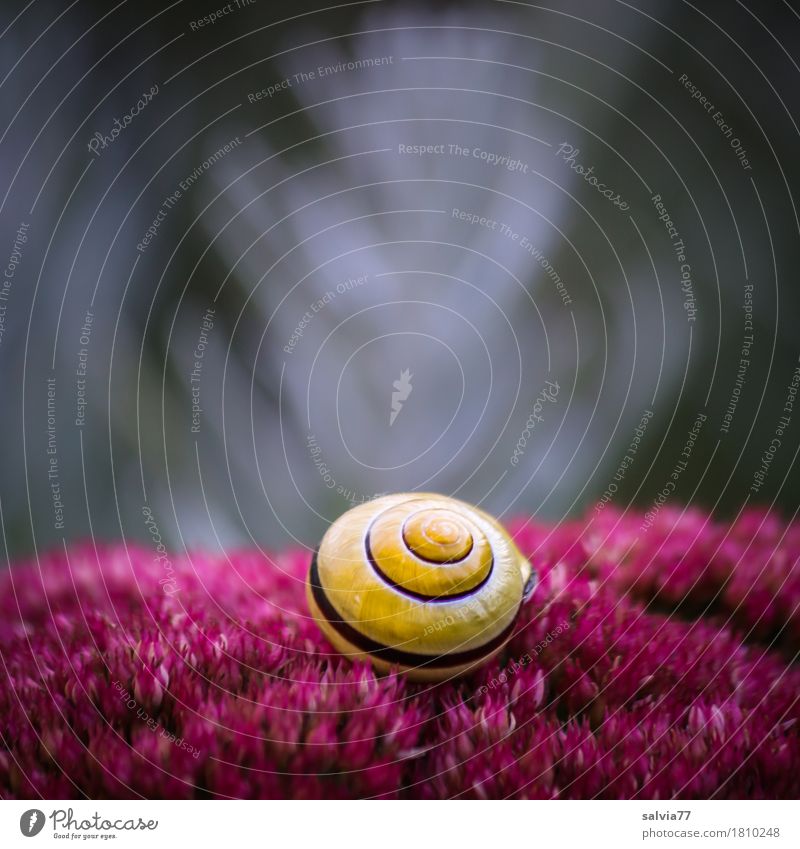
[[418, 582]]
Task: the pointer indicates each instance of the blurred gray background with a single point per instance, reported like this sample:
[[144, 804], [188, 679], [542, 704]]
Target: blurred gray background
[[335, 259]]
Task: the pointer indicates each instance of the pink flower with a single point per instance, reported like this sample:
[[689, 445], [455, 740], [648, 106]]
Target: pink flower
[[647, 664]]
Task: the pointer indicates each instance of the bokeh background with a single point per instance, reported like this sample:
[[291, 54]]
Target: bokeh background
[[333, 262]]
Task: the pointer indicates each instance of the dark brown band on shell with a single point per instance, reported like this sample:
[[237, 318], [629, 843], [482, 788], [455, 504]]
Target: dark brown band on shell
[[393, 655], [420, 596], [426, 559]]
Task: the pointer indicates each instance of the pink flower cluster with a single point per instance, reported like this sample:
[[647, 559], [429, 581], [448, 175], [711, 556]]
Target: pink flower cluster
[[651, 664], [744, 574]]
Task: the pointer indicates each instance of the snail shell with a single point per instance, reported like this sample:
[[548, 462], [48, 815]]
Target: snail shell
[[419, 582]]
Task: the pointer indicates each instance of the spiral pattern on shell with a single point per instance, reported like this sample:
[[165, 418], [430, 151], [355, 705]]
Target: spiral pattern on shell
[[420, 582]]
